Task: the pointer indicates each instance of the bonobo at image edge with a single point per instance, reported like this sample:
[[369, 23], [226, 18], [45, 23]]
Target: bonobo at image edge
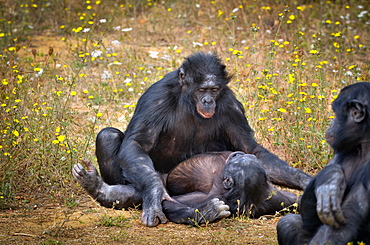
[[190, 111], [335, 207]]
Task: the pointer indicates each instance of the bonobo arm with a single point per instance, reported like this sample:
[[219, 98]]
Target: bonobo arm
[[279, 172], [329, 191], [356, 212], [138, 169]]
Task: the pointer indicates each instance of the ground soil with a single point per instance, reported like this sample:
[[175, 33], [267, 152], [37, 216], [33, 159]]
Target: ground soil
[[47, 222]]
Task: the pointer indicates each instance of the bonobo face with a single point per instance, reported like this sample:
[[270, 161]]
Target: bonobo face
[[236, 164], [331, 132], [206, 95], [350, 126], [245, 181], [202, 78]]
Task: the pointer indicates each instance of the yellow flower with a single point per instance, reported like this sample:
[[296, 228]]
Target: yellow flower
[[99, 114], [336, 45], [16, 133], [61, 138]]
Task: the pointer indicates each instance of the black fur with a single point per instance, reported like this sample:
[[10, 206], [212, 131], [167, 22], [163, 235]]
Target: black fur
[[188, 112], [335, 207]]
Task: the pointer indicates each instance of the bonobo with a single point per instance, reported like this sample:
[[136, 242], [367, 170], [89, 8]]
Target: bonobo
[[335, 207], [188, 112], [219, 184]]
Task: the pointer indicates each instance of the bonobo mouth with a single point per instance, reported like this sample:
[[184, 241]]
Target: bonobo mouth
[[205, 114]]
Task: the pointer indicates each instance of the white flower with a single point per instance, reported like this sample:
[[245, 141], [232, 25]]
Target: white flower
[[86, 30], [96, 53], [166, 57], [197, 44], [106, 75], [39, 73], [127, 80], [115, 63], [115, 42], [362, 14], [235, 10], [153, 54], [117, 28], [102, 20], [127, 29]]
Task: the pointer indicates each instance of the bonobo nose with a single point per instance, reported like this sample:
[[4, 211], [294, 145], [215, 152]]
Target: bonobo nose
[[207, 100]]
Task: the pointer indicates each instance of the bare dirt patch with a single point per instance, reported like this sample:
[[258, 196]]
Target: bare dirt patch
[[88, 223]]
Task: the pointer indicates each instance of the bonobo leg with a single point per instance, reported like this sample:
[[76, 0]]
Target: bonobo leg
[[108, 143], [290, 231], [110, 196], [109, 189], [276, 201], [208, 210]]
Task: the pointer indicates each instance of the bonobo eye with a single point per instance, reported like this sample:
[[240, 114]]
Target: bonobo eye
[[228, 183], [201, 90], [215, 89]]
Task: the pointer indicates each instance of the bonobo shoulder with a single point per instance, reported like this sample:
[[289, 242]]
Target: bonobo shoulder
[[170, 79], [160, 89]]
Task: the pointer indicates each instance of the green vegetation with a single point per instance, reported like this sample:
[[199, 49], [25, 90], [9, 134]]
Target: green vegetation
[[70, 68]]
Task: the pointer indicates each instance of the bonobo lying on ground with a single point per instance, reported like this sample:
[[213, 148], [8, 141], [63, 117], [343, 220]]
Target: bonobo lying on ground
[[207, 182]]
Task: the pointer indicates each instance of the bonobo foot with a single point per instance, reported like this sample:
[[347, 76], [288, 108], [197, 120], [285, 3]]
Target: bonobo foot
[[89, 179], [117, 196], [214, 210]]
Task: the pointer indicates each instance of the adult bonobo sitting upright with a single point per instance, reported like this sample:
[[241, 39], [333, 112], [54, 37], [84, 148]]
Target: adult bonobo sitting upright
[[335, 207], [188, 112]]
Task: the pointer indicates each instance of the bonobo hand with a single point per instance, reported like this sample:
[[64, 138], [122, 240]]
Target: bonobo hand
[[329, 197], [152, 207]]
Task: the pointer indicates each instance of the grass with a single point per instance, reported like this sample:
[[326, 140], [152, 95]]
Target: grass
[[71, 68]]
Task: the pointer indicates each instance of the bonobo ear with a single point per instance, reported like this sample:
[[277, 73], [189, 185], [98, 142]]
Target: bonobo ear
[[228, 183], [223, 68], [357, 110], [182, 76]]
